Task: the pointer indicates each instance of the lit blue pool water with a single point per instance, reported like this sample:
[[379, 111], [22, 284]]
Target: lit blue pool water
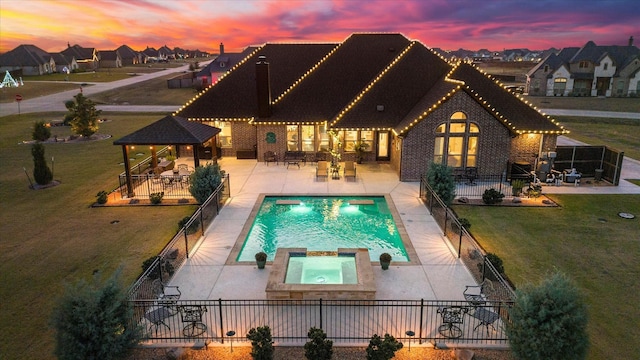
[[324, 224], [320, 270]]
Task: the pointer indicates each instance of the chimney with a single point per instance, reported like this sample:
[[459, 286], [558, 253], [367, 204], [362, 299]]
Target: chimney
[[263, 86], [630, 40], [221, 48]]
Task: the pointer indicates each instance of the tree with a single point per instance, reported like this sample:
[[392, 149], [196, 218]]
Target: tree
[[318, 347], [382, 349], [41, 172], [549, 321], [204, 181], [40, 131], [93, 320], [440, 178], [261, 343], [83, 115]]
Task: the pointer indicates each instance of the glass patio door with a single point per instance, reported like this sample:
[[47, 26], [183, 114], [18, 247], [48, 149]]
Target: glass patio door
[[382, 146]]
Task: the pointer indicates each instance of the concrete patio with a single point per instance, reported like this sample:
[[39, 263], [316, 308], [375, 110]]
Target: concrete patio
[[207, 273]]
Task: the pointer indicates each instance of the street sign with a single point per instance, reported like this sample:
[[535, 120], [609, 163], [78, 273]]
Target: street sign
[[18, 97]]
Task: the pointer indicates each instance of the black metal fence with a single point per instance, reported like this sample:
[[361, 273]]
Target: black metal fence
[[180, 246], [344, 321], [173, 187], [477, 187], [588, 160], [465, 246]]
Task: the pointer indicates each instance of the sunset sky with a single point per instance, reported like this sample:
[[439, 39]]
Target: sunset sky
[[203, 24]]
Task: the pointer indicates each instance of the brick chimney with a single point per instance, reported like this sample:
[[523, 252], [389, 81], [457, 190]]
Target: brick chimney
[[630, 40], [221, 48], [263, 86]]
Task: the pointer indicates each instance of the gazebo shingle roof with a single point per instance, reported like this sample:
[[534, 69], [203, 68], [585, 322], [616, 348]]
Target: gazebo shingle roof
[[170, 130]]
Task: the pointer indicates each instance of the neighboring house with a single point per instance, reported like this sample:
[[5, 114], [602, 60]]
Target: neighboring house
[[166, 54], [128, 56], [149, 55], [515, 54], [110, 59], [591, 70], [29, 59], [220, 65], [64, 65], [399, 97], [87, 58]]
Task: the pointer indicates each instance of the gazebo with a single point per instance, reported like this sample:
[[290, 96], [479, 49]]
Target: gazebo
[[170, 130]]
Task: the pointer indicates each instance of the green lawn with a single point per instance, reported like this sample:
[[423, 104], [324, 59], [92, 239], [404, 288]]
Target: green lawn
[[619, 134], [53, 236], [584, 238], [150, 92]]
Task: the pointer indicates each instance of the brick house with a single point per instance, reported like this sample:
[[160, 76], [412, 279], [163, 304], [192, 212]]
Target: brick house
[[592, 70], [409, 105]]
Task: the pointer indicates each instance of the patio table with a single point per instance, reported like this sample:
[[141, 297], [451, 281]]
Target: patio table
[[157, 316]]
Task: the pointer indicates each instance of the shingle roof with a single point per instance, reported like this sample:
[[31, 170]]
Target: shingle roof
[[170, 130], [345, 83], [234, 95], [514, 113], [79, 52], [126, 52], [108, 55], [399, 90], [25, 55]]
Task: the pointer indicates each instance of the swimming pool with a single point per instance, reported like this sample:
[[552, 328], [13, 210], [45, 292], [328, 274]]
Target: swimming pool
[[323, 223]]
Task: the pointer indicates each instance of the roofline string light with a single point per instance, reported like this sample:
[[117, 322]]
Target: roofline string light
[[431, 109], [372, 83], [305, 75], [553, 121], [219, 79]]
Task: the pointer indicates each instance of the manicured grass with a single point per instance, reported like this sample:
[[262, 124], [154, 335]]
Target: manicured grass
[[53, 236], [32, 90], [586, 103], [150, 92], [584, 238], [619, 134]]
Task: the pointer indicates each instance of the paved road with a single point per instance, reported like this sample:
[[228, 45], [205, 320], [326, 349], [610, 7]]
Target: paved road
[[55, 102], [592, 113]]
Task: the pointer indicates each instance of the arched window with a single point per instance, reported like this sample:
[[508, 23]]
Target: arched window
[[456, 142]]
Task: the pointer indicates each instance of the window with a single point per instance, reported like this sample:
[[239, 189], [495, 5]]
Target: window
[[350, 139], [323, 144], [546, 68], [460, 139], [605, 66], [366, 137], [292, 138], [307, 136], [583, 65], [224, 137]]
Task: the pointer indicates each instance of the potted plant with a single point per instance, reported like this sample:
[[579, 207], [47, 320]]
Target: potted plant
[[385, 260], [516, 187], [360, 148], [261, 343], [382, 349], [261, 259]]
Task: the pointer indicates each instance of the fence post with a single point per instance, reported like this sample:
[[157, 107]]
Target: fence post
[[186, 241], [320, 313], [221, 326], [460, 239], [421, 321]]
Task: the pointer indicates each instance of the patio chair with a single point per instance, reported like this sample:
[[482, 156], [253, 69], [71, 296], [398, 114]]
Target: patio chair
[[322, 169], [270, 156], [167, 295], [350, 170], [184, 167], [452, 320], [475, 294]]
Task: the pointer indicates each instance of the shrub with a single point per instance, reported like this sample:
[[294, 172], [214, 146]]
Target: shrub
[[261, 256], [192, 228], [156, 198], [382, 349], [102, 197], [261, 343], [83, 115], [41, 172], [41, 131], [548, 321], [464, 222], [93, 321], [440, 178], [534, 191], [318, 347], [492, 196], [165, 266], [204, 181]]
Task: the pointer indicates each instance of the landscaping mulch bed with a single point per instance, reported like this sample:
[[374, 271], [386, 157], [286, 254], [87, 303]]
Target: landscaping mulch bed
[[287, 353]]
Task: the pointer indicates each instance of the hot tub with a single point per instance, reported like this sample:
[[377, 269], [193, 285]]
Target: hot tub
[[299, 274]]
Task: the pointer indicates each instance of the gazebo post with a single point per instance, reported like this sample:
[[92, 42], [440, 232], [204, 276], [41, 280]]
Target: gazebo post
[[196, 160], [127, 171], [154, 157]]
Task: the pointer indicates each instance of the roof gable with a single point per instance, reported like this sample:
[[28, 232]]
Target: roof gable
[[170, 130], [25, 55]]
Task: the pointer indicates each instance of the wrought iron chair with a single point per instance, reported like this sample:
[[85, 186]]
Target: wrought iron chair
[[270, 156], [451, 316]]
